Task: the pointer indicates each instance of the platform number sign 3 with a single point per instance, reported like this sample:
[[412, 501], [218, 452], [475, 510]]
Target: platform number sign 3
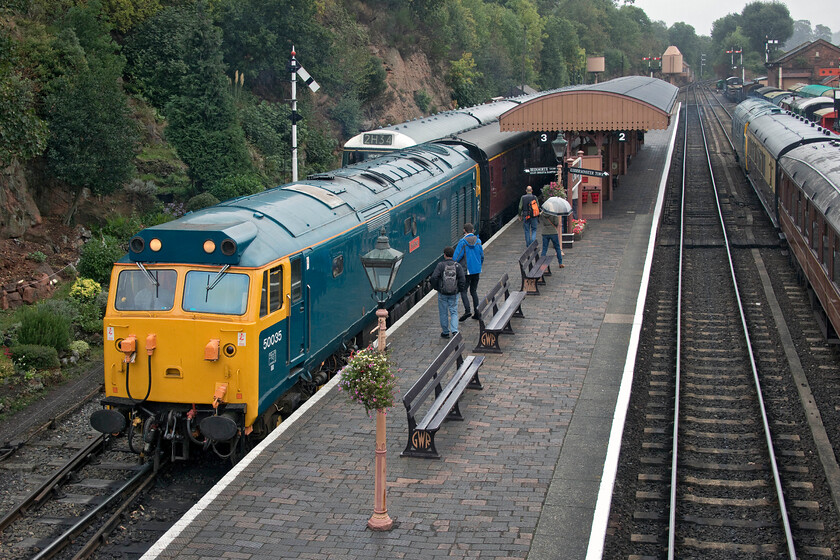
[[544, 138]]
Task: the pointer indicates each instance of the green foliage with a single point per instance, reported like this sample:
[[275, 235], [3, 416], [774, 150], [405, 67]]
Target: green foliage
[[93, 138], [98, 257], [373, 80], [233, 186], [80, 347], [423, 100], [126, 14], [85, 290], [203, 200], [22, 133], [462, 79], [120, 227], [37, 256], [38, 326], [760, 20], [368, 379], [348, 113], [61, 307], [34, 356]]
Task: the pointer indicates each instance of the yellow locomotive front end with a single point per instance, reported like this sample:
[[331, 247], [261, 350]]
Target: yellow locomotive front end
[[180, 352]]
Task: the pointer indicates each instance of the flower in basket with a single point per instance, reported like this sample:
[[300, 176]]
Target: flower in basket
[[368, 379], [552, 189], [578, 225]]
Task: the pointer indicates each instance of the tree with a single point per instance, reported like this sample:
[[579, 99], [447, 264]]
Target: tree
[[760, 20], [684, 38], [462, 79], [92, 136]]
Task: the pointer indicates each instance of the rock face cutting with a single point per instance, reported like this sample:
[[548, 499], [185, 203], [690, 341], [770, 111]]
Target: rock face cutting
[[18, 211]]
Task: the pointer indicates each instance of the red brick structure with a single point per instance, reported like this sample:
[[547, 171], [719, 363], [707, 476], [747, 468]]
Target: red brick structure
[[803, 64]]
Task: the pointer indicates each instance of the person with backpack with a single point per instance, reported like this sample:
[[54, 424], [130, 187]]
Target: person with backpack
[[470, 255], [529, 213], [448, 279]]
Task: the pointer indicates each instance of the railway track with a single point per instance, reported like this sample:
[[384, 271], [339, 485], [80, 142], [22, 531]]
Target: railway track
[[77, 504], [716, 462]]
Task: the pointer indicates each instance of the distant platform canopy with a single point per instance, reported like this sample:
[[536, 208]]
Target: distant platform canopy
[[627, 103]]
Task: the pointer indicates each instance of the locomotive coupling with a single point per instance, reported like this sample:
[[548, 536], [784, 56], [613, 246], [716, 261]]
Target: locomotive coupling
[[128, 346]]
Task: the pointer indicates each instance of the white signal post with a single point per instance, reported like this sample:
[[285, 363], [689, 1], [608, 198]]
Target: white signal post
[[296, 69]]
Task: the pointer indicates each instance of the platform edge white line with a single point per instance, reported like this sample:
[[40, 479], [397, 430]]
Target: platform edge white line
[[600, 517]]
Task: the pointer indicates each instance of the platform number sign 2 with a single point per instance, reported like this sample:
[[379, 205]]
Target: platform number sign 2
[[622, 135]]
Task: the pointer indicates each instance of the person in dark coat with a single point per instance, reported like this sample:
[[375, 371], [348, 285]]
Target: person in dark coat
[[470, 255], [448, 289], [529, 221]]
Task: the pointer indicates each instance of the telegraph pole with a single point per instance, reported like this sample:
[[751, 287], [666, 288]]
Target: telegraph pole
[[296, 69]]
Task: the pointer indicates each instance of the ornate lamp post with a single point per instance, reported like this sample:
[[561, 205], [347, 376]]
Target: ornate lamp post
[[559, 146], [381, 266]]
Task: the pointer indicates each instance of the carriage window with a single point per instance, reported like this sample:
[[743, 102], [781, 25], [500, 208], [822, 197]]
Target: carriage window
[[407, 226], [264, 295], [815, 235], [297, 279], [137, 292], [229, 295], [824, 257], [835, 277], [337, 266]]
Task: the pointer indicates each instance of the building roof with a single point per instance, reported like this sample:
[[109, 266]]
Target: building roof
[[796, 51], [627, 103]]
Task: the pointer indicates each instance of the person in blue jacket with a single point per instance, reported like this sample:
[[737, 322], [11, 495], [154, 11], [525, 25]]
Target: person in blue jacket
[[470, 254]]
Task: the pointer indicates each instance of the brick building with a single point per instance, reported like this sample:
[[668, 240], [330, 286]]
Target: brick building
[[802, 64]]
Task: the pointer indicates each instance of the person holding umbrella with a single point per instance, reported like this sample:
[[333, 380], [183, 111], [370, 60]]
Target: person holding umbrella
[[552, 209]]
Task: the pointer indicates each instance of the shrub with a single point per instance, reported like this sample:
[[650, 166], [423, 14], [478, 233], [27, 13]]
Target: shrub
[[423, 100], [120, 227], [85, 290], [233, 186], [80, 347], [37, 256], [59, 307], [203, 200], [98, 257], [29, 356], [39, 326]]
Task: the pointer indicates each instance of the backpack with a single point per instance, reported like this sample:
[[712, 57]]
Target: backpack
[[449, 279], [535, 208]]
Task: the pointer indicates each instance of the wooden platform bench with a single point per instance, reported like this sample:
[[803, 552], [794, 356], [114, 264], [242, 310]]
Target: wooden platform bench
[[421, 434], [533, 268], [495, 312]]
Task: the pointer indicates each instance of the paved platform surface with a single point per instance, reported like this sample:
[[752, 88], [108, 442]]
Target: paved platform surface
[[519, 477]]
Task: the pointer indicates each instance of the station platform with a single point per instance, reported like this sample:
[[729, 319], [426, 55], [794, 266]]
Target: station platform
[[528, 473]]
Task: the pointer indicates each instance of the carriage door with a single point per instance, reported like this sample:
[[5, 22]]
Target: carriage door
[[298, 306]]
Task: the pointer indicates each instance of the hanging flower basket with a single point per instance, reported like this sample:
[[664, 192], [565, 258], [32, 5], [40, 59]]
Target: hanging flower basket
[[552, 189], [578, 227], [368, 379]]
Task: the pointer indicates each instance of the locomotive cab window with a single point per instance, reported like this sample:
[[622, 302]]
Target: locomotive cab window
[[271, 298], [297, 279], [141, 291], [223, 293], [337, 265]]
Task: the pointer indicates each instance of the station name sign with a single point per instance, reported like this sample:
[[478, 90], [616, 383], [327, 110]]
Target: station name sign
[[589, 172]]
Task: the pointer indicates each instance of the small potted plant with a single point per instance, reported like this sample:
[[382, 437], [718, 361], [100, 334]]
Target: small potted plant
[[368, 379], [578, 226]]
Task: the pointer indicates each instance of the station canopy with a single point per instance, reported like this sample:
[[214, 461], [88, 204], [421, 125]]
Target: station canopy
[[627, 103]]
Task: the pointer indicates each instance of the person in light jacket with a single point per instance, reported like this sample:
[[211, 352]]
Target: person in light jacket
[[470, 254]]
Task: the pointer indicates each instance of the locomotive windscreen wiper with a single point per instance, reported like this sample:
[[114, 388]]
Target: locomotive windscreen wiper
[[216, 280], [149, 275]]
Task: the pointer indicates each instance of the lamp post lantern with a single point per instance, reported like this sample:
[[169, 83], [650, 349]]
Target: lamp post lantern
[[381, 266], [559, 146]]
